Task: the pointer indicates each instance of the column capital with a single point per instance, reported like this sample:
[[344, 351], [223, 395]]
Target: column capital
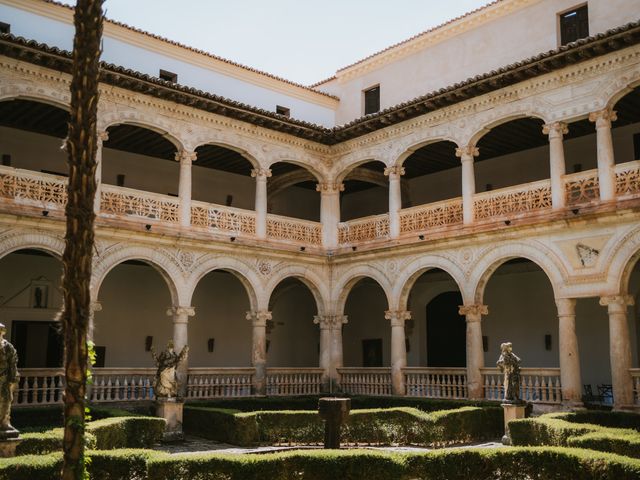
[[186, 156], [566, 307], [327, 187], [95, 306], [473, 312], [103, 136], [555, 129], [467, 152], [261, 173], [181, 314], [330, 322], [622, 301], [394, 171], [603, 118], [397, 317], [258, 318]]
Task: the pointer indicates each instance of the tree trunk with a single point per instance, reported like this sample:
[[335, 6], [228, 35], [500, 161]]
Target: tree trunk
[[78, 253]]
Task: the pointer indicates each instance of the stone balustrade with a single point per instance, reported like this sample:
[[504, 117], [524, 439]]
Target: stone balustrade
[[628, 179], [39, 386], [26, 187], [582, 188], [217, 218], [365, 381], [436, 382], [363, 229], [538, 385], [635, 375], [424, 218], [205, 383], [533, 197], [304, 232], [127, 202], [121, 384], [294, 381]]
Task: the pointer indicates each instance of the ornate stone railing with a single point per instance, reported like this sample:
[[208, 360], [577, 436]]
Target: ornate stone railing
[[121, 384], [432, 215], [436, 382], [582, 187], [628, 179], [223, 219], [538, 385], [294, 230], [294, 381], [33, 188], [521, 199], [127, 202], [363, 229], [365, 381], [206, 383], [39, 386], [635, 376]]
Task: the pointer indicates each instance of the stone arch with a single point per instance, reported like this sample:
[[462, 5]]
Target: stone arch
[[154, 123], [623, 258], [408, 276], [201, 141], [309, 278], [316, 173], [352, 166], [242, 272], [500, 120], [353, 276], [621, 86], [159, 260], [422, 142], [31, 240], [52, 97], [489, 263]]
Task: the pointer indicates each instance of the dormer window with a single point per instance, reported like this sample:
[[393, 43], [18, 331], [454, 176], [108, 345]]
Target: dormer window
[[372, 100], [280, 110], [168, 76], [574, 25], [5, 27]]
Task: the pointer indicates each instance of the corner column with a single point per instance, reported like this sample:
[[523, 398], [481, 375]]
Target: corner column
[[395, 199], [398, 349], [261, 175], [606, 162], [180, 340], [475, 354], [259, 349], [330, 212], [557, 167], [619, 349], [184, 188], [102, 137], [466, 155], [330, 348], [570, 376]]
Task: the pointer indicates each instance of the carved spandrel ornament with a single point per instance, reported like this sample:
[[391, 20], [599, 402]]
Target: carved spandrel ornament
[[165, 385], [9, 377], [509, 366], [588, 256]]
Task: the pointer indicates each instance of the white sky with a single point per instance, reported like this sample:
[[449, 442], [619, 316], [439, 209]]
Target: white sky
[[299, 40]]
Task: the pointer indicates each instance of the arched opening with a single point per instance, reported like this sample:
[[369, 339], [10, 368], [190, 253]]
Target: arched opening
[[626, 129], [223, 176], [292, 192], [366, 191], [140, 158], [219, 333], [31, 135], [367, 335], [134, 298], [293, 340], [30, 299]]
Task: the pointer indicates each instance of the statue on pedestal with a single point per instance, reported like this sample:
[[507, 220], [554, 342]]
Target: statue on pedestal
[[165, 384], [8, 382], [509, 365]]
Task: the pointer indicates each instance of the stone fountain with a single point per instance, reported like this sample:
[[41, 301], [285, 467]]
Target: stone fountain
[[334, 412]]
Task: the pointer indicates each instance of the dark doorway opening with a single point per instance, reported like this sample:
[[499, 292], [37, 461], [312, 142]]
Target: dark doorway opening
[[372, 352], [39, 344], [446, 332]]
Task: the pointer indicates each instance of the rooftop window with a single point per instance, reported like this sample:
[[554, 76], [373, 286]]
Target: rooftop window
[[372, 100], [280, 110], [5, 27], [574, 25], [168, 76]]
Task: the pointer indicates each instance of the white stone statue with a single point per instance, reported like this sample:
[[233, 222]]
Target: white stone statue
[[8, 382], [166, 381]]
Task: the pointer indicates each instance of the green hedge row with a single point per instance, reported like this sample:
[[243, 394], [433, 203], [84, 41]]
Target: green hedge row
[[572, 429], [26, 418], [105, 434], [372, 426]]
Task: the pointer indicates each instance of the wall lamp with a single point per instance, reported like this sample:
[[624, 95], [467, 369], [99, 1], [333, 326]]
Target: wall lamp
[[354, 248], [421, 237], [148, 227], [233, 239], [507, 222], [302, 249], [45, 213], [575, 211]]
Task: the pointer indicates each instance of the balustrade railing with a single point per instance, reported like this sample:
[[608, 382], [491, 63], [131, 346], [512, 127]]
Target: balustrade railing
[[33, 188], [436, 382], [582, 187], [206, 383], [294, 230], [532, 197], [628, 179], [431, 216], [363, 229], [127, 202], [223, 219], [365, 381], [39, 386], [635, 377], [121, 384], [537, 385], [294, 381]]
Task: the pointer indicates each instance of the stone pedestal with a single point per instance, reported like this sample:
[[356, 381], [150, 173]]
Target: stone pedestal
[[9, 440], [334, 412], [512, 411], [171, 410]]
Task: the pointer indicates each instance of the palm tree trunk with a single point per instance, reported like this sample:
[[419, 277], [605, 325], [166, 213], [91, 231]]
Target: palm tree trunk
[[78, 253]]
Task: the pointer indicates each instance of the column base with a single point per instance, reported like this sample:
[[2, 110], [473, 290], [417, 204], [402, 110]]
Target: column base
[[171, 410], [570, 405], [512, 411]]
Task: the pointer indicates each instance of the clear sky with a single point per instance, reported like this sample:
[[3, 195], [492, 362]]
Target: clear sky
[[299, 40]]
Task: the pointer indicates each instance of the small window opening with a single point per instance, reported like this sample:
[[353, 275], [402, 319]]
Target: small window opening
[[6, 159], [229, 200], [120, 180], [372, 100], [5, 27], [636, 146], [488, 187], [280, 110], [168, 76], [574, 25], [577, 167]]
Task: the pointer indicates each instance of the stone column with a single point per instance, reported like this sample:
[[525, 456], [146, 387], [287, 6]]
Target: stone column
[[606, 162], [184, 189], [261, 175], [557, 169], [475, 353], [259, 349], [180, 340], [466, 155], [395, 199], [619, 349], [570, 377], [330, 212], [93, 308], [398, 348], [102, 137], [330, 348]]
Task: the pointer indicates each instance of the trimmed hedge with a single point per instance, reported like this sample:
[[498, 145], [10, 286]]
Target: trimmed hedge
[[572, 430], [373, 426], [51, 415], [105, 434]]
